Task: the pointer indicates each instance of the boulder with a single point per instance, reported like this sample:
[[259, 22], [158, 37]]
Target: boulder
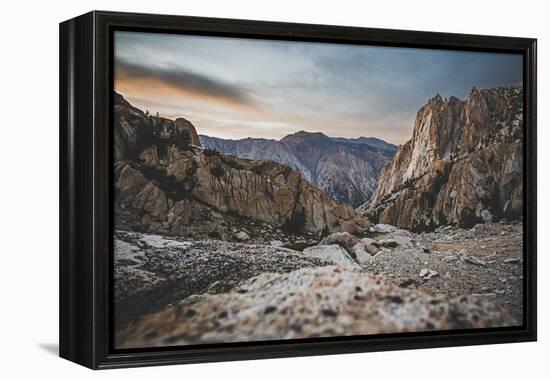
[[241, 235], [276, 243], [486, 215], [344, 239], [361, 253], [372, 249], [402, 240], [388, 243], [383, 228], [368, 241], [427, 274], [128, 182], [152, 200], [349, 227], [333, 253]]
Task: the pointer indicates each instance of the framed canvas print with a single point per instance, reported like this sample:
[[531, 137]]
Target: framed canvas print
[[237, 189]]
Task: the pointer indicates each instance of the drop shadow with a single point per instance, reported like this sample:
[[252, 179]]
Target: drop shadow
[[51, 348]]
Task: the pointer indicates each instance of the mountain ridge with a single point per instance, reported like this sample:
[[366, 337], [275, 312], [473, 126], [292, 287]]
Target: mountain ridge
[[346, 169]]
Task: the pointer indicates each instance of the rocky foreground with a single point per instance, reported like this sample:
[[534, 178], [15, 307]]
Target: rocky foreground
[[170, 291], [152, 271], [313, 302]]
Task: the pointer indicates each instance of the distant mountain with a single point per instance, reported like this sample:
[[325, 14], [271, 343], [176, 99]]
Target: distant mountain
[[257, 149], [463, 164], [371, 141], [346, 169]]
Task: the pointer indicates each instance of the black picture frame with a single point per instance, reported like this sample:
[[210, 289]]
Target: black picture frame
[[85, 99]]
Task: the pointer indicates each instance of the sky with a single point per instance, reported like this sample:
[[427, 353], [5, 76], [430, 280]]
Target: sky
[[237, 88]]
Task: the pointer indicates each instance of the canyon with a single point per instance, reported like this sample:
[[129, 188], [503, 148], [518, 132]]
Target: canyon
[[309, 236]]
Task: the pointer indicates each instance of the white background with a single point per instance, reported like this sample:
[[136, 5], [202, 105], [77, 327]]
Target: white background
[[29, 187]]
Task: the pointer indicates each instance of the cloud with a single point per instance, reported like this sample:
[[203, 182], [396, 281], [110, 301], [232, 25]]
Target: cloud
[[172, 80], [234, 87]]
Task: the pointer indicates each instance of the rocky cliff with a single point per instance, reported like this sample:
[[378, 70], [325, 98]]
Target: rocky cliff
[[345, 169], [463, 164], [165, 181], [140, 136]]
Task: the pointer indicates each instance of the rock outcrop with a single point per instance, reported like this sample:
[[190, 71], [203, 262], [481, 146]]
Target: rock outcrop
[[345, 169], [139, 135], [463, 164], [333, 253], [306, 303], [344, 239], [152, 271], [164, 180]]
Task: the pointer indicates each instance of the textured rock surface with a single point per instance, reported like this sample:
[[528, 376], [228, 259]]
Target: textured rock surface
[[463, 164], [153, 271], [468, 261], [314, 302], [135, 131], [164, 180], [345, 169], [334, 253], [344, 239]]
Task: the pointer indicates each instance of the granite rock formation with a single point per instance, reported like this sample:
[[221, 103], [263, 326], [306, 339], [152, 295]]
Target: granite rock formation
[[164, 180], [306, 303], [463, 164], [153, 271]]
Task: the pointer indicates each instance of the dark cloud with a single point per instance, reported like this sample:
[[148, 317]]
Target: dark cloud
[[183, 80]]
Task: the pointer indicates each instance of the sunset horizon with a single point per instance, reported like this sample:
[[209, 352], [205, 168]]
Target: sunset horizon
[[270, 89]]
